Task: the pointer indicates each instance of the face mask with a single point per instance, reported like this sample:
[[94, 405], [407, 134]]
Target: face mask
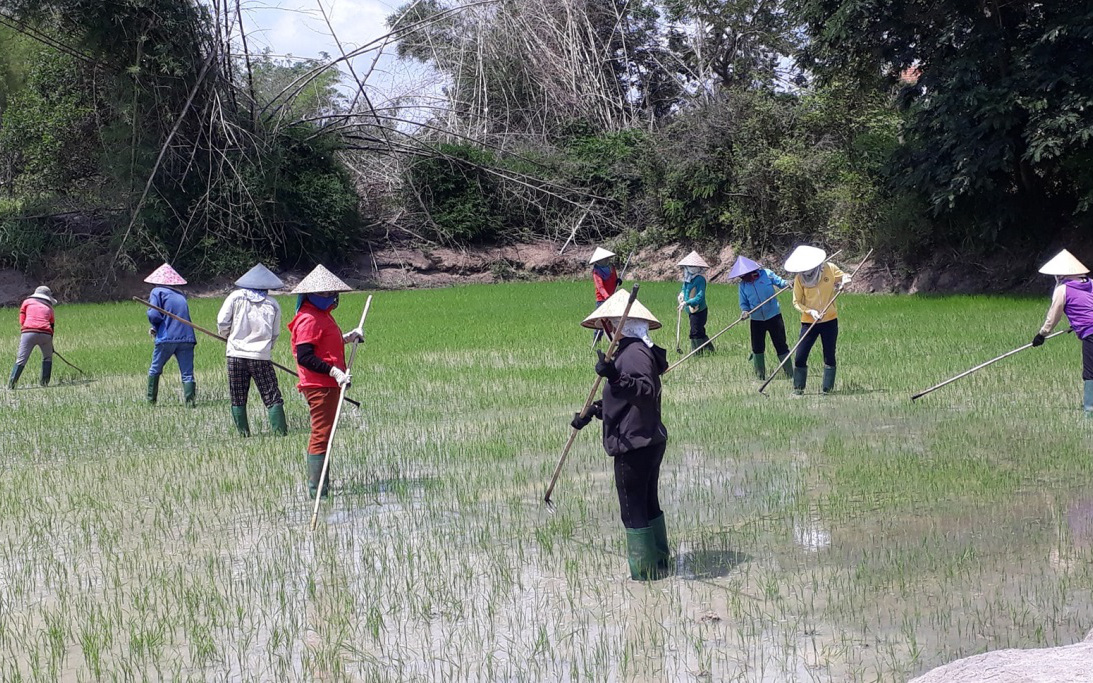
[[323, 303]]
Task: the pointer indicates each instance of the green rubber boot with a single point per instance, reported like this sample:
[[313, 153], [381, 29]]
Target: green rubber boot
[[1087, 403], [800, 378], [277, 420], [829, 379], [16, 370], [695, 343], [189, 393], [153, 388], [759, 364], [239, 417], [709, 347], [660, 538], [787, 367], [641, 553], [47, 372], [315, 472]]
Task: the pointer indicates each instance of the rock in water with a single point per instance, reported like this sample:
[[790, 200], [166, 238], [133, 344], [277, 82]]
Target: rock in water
[[1067, 664]]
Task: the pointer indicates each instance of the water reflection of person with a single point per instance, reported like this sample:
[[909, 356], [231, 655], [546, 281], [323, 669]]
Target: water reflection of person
[[633, 433]]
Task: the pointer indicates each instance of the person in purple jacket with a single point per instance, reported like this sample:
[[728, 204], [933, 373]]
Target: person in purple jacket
[[173, 338], [1073, 297]]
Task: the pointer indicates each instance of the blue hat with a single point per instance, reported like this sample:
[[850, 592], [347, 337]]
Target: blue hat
[[259, 277], [743, 266]]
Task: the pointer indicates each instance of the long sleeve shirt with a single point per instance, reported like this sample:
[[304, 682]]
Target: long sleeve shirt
[[818, 297], [694, 293], [169, 330], [631, 402], [606, 280], [759, 290], [1073, 298], [251, 321], [36, 315], [1055, 311]]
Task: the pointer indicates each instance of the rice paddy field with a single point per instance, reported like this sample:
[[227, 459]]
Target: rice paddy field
[[851, 537]]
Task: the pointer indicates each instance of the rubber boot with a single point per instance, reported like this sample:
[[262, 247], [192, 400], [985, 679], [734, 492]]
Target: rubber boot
[[660, 538], [759, 364], [787, 367], [239, 416], [829, 380], [16, 370], [47, 372], [800, 377], [314, 472], [1087, 403], [277, 420], [189, 393], [709, 347], [153, 388], [695, 343], [641, 553]]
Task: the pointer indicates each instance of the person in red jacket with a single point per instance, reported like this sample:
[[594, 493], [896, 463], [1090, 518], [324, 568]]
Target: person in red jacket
[[36, 323], [604, 278], [319, 347]]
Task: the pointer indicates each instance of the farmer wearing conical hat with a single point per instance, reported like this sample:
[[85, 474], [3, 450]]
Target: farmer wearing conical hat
[[36, 323], [757, 284], [633, 433], [1073, 297], [172, 337], [814, 289], [251, 320], [693, 296], [605, 279], [319, 347]]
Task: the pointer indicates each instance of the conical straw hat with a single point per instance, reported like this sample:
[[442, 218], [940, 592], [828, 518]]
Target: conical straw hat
[[693, 259], [614, 307], [45, 294], [805, 258], [600, 254], [165, 275], [259, 277], [743, 266], [1064, 263], [321, 280]]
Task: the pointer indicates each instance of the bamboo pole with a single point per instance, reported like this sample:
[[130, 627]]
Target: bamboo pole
[[65, 361]]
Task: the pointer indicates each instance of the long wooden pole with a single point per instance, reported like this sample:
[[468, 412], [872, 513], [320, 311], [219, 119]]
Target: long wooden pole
[[337, 417], [65, 361], [214, 335], [592, 393], [983, 365], [679, 320], [762, 389]]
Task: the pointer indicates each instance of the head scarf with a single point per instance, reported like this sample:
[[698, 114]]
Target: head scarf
[[323, 303], [638, 329], [689, 272], [811, 278]]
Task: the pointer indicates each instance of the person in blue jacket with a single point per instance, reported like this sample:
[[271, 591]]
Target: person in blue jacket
[[173, 338], [757, 285]]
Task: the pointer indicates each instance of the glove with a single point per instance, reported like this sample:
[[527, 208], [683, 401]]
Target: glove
[[815, 315], [606, 368], [151, 331], [354, 335], [679, 298], [1038, 340], [744, 315], [594, 411], [341, 377]]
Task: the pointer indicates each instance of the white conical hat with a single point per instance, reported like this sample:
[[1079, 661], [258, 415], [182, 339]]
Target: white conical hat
[[600, 254], [1064, 263], [165, 275], [693, 259], [614, 308], [804, 259], [321, 280], [259, 277]]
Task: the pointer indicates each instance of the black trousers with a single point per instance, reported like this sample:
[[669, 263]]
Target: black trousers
[[828, 333], [698, 323], [776, 327], [1087, 358], [636, 475]]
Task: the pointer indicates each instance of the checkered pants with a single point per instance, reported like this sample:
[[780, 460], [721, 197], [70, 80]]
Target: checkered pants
[[240, 372]]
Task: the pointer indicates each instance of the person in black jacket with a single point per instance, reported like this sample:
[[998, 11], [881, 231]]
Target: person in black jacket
[[633, 433]]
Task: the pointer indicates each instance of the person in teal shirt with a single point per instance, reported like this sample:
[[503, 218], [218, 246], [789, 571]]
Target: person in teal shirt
[[693, 296], [759, 285]]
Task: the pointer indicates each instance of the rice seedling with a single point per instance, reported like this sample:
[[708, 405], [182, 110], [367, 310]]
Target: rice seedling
[[853, 537]]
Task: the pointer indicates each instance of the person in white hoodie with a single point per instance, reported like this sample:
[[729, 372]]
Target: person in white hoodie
[[251, 320]]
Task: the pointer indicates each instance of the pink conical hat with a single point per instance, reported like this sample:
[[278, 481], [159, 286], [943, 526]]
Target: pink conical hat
[[165, 275]]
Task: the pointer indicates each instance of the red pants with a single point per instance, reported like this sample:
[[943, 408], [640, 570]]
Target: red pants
[[322, 402]]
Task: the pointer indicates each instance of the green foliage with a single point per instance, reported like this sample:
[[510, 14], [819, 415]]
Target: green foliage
[[461, 199]]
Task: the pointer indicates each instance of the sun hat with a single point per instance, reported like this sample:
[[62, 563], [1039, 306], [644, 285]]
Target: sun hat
[[1064, 263], [45, 294], [165, 275], [804, 258], [600, 254], [614, 308], [259, 277], [743, 266], [321, 280], [694, 260]]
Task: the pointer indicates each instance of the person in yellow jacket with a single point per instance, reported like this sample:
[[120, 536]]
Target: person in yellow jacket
[[814, 289]]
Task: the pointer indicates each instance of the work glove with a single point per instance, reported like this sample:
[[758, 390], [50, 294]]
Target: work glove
[[341, 376], [151, 332], [354, 335], [606, 368], [815, 315], [594, 411], [1038, 340], [744, 315], [845, 280], [679, 298]]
